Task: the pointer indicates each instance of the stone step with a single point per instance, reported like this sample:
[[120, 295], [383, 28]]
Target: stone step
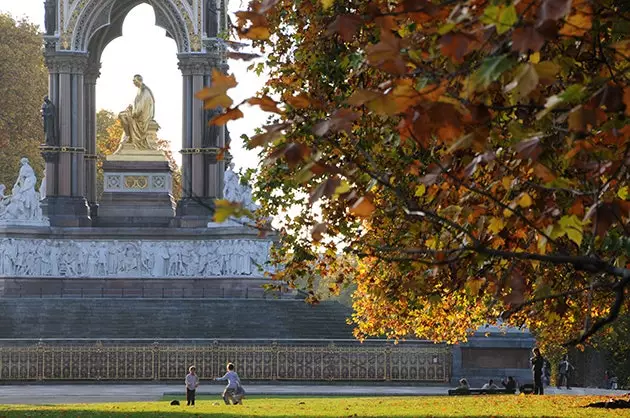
[[172, 318]]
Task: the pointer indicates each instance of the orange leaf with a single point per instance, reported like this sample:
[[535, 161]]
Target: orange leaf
[[345, 25], [273, 132], [230, 114], [361, 96], [266, 103], [386, 54], [363, 207], [456, 45], [527, 39], [579, 22], [302, 101], [318, 231]]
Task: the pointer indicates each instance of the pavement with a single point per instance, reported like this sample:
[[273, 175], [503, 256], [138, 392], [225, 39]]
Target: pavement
[[96, 393]]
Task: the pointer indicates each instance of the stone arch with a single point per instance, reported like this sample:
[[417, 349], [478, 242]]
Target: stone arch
[[100, 22]]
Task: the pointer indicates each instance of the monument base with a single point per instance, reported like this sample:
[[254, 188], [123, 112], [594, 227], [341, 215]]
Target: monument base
[[136, 193], [194, 212], [70, 211]]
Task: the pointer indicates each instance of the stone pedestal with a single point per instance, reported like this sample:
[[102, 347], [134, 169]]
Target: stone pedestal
[[136, 193]]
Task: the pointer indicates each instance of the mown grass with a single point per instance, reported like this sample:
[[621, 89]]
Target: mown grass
[[284, 407]]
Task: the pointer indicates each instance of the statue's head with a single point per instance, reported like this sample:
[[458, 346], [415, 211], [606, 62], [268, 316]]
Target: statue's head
[[24, 161], [137, 80]]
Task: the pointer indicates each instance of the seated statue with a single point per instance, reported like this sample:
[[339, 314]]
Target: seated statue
[[23, 204], [137, 119]]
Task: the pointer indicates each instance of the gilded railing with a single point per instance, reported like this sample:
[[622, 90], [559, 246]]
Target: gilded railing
[[255, 360]]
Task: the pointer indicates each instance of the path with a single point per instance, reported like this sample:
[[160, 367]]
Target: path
[[96, 393]]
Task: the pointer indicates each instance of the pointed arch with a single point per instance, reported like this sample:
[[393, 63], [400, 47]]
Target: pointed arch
[[105, 17]]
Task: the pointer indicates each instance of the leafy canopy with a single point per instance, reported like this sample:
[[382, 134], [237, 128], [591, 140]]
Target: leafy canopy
[[472, 155]]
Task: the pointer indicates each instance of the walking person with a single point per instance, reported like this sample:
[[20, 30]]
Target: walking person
[[192, 382], [564, 371], [232, 387], [538, 364]]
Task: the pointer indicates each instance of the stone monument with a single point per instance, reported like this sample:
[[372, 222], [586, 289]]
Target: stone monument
[[137, 176]]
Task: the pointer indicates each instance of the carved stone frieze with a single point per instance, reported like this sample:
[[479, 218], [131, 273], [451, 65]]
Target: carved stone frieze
[[21, 257], [134, 182], [197, 64]]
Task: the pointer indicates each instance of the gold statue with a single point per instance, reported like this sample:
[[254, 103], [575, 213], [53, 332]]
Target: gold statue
[[137, 119]]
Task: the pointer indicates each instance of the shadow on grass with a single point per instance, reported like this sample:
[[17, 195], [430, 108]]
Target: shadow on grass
[[190, 412]]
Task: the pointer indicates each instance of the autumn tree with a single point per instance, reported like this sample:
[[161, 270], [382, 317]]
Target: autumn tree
[[23, 85], [472, 154]]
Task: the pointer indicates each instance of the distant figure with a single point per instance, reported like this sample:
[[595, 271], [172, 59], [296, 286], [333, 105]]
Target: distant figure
[[490, 385], [463, 385], [49, 117], [510, 384], [547, 373], [192, 382], [234, 382], [611, 379], [538, 364], [564, 371], [50, 16]]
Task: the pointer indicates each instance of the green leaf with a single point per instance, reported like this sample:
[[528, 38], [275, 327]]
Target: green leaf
[[490, 70], [624, 192], [507, 19], [525, 82], [573, 94]]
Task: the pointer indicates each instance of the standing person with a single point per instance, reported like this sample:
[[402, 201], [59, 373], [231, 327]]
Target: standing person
[[538, 364], [192, 382], [564, 370], [233, 384]]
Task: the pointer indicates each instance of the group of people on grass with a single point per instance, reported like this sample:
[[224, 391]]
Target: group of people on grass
[[232, 394], [541, 371]]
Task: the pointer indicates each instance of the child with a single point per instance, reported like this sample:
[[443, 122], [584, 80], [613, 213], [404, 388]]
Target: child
[[192, 381], [233, 386]]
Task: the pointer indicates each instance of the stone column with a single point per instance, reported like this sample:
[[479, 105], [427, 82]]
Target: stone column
[[202, 174], [65, 202], [91, 75]]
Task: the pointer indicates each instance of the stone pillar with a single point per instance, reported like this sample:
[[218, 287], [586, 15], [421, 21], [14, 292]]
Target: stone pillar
[[202, 173], [65, 202], [91, 75]]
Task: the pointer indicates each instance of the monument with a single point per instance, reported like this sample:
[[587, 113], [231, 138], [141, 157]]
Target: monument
[[137, 177], [135, 286]]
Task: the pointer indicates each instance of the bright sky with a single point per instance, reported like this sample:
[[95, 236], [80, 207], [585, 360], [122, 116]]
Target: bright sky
[[144, 49]]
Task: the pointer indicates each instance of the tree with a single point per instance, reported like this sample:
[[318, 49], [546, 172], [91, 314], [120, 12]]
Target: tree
[[23, 85], [473, 154]]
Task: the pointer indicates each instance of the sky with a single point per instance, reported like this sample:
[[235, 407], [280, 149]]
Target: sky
[[144, 49]]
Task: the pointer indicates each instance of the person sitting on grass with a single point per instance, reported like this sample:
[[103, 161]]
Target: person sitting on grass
[[232, 386], [490, 385], [510, 384]]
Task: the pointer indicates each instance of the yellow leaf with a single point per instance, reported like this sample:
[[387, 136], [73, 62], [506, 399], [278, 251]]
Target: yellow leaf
[[343, 187], [420, 190], [624, 192], [507, 182], [525, 200], [534, 58], [327, 3], [363, 207], [496, 225]]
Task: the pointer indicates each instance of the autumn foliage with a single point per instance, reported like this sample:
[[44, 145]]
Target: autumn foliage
[[472, 155]]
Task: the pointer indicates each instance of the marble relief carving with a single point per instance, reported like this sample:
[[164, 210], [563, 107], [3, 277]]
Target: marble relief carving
[[132, 259]]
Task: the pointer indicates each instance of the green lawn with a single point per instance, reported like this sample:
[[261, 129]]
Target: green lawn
[[276, 407]]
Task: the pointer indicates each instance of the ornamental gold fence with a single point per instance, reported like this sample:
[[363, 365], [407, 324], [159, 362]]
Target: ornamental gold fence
[[108, 360]]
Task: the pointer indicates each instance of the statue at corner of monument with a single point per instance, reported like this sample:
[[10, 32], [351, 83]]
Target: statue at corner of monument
[[49, 117], [137, 120], [23, 204], [50, 16]]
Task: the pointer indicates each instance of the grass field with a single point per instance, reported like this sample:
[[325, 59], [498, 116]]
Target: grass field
[[277, 407]]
